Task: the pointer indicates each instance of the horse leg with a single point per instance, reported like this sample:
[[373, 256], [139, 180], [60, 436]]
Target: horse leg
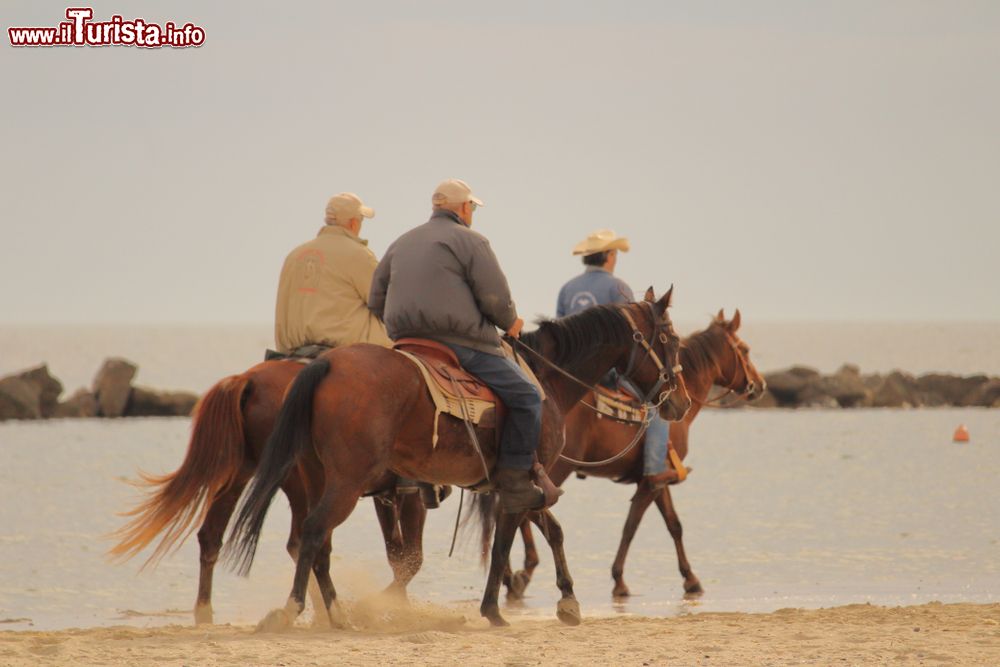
[[568, 609], [503, 538], [388, 520], [332, 509], [412, 515], [298, 504], [666, 506], [518, 581], [640, 503], [210, 542]]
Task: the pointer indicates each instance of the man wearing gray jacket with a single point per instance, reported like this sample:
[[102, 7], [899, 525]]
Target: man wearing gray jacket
[[442, 281]]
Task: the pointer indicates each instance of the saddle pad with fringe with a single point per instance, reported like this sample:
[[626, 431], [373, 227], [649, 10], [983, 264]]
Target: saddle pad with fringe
[[480, 412], [618, 405], [454, 390]]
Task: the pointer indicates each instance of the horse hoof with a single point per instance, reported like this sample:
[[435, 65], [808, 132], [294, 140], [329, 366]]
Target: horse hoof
[[693, 589], [621, 591], [518, 584], [395, 593], [568, 611], [277, 620], [494, 617], [321, 620], [203, 615]]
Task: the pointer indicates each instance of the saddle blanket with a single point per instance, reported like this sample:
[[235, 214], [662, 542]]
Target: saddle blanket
[[456, 392], [619, 405]]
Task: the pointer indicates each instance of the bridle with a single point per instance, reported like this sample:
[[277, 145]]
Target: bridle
[[664, 378], [715, 401], [660, 332]]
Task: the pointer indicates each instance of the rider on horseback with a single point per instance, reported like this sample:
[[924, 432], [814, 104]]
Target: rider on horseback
[[597, 286], [323, 298], [324, 283], [442, 281]]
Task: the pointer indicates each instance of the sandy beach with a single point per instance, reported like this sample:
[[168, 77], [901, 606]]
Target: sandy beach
[[960, 634]]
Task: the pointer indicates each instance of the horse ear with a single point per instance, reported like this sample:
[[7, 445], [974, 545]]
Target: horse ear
[[650, 296], [721, 316], [735, 323], [667, 299]]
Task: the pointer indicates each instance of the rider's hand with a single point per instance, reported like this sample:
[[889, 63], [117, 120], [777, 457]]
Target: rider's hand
[[515, 329]]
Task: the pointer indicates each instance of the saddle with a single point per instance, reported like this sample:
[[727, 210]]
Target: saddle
[[453, 389]]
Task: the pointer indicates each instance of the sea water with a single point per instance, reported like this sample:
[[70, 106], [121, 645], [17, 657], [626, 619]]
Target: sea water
[[807, 508]]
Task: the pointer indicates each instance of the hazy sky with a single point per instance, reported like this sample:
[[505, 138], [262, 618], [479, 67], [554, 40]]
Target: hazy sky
[[798, 159]]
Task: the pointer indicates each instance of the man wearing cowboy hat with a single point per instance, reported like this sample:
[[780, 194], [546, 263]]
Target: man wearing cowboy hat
[[442, 281], [598, 286]]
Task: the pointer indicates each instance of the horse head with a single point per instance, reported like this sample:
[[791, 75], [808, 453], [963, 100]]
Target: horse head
[[659, 369], [737, 371]]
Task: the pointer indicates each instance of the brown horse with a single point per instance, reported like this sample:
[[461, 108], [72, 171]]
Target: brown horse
[[229, 428], [359, 412], [714, 356]]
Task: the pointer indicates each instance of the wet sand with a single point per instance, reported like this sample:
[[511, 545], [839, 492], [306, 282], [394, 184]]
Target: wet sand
[[960, 634]]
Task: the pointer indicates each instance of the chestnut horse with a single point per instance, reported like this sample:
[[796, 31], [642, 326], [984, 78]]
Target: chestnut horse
[[714, 356], [229, 428], [359, 412]]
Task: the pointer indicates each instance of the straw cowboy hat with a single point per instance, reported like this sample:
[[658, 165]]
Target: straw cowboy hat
[[601, 241]]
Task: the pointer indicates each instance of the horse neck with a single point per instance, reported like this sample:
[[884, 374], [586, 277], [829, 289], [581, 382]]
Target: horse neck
[[567, 392], [699, 378]]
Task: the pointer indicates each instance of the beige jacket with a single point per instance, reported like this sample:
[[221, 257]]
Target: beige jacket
[[323, 293]]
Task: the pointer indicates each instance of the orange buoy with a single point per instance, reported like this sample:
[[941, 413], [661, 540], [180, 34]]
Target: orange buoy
[[961, 434]]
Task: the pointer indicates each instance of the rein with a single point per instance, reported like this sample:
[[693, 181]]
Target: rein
[[715, 401], [639, 339]]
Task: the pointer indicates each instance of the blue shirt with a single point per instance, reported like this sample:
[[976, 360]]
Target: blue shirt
[[593, 287]]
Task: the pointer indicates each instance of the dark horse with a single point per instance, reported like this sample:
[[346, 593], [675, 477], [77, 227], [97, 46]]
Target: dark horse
[[359, 412], [713, 356], [229, 428]]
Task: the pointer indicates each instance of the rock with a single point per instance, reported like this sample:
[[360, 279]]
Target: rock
[[846, 387], [147, 402], [986, 395], [941, 389], [81, 404], [113, 386], [19, 399], [47, 388], [789, 386], [896, 390]]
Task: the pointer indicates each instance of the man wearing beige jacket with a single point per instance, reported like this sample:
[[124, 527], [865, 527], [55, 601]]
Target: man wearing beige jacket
[[324, 284], [323, 298]]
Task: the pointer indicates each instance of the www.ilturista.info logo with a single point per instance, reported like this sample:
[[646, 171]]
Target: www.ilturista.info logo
[[79, 30]]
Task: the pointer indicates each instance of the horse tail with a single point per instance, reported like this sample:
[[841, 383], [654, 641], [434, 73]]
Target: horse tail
[[177, 503], [292, 435], [484, 512]]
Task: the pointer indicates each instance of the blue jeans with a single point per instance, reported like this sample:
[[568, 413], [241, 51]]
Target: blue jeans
[[523, 426], [654, 450]]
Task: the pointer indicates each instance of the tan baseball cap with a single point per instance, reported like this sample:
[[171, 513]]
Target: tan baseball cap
[[601, 241], [347, 206], [454, 191]]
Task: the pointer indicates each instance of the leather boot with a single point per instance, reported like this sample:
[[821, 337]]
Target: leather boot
[[433, 495], [517, 492], [551, 491]]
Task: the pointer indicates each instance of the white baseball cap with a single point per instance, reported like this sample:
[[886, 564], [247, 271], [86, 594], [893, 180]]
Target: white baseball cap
[[347, 206], [454, 191]]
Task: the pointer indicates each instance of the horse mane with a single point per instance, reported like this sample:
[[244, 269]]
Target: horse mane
[[698, 351], [577, 338]]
